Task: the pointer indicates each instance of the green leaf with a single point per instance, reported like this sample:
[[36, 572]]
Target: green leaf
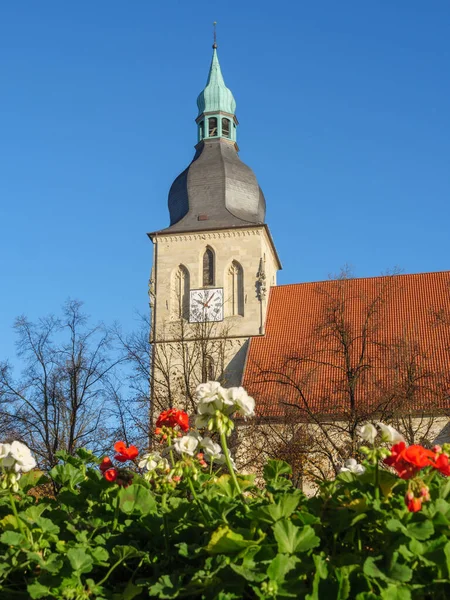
[[87, 456], [393, 592], [99, 554], [80, 561], [34, 512], [12, 538], [32, 479], [67, 475], [224, 486], [164, 588], [131, 591], [136, 498], [371, 569], [247, 573], [291, 538], [125, 552], [51, 563], [346, 476], [447, 557], [444, 490], [421, 530], [46, 525], [226, 541], [281, 564], [342, 575], [396, 525], [321, 573], [358, 518], [37, 590], [274, 468], [400, 572], [284, 506]]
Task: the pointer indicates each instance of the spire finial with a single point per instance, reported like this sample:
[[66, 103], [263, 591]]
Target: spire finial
[[215, 36]]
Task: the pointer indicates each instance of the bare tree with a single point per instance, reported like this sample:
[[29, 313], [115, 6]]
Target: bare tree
[[61, 400], [164, 369]]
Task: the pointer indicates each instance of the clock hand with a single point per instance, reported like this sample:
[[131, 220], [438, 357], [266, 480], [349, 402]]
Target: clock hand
[[209, 300]]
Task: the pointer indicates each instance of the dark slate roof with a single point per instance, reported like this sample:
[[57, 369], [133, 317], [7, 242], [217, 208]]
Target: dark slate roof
[[216, 190]]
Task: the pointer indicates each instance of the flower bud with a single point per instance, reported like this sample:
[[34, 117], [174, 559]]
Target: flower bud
[[437, 449], [415, 505], [409, 496]]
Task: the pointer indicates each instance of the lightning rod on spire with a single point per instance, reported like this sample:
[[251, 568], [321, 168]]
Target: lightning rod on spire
[[215, 36]]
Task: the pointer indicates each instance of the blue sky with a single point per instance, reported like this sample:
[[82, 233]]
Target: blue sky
[[343, 111]]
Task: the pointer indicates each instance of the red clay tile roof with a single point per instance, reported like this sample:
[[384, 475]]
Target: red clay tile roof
[[398, 348]]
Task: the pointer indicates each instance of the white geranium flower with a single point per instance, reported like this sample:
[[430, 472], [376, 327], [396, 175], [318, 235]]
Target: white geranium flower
[[213, 450], [243, 403], [367, 432], [5, 449], [352, 466], [23, 459], [6, 460], [186, 445], [210, 397], [153, 461], [208, 391], [389, 434]]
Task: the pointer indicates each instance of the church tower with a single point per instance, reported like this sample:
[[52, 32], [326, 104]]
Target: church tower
[[214, 264]]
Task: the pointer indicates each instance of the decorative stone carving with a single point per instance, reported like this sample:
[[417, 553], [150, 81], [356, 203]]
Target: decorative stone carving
[[261, 288]]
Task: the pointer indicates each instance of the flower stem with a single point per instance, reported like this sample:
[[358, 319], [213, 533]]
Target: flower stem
[[377, 479], [169, 443], [223, 440], [116, 512], [194, 494], [16, 514]]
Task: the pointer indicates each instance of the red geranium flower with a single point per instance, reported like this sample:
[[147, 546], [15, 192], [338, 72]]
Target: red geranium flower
[[442, 464], [172, 417], [125, 453], [111, 474], [418, 456], [105, 464], [408, 460]]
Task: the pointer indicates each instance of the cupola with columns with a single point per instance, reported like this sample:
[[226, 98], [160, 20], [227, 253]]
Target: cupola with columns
[[216, 106]]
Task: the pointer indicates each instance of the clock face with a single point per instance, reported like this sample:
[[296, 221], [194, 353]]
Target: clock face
[[206, 305]]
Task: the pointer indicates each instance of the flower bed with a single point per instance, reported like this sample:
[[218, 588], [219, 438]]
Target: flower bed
[[181, 523]]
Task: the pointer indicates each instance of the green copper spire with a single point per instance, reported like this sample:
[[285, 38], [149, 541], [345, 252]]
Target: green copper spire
[[216, 96], [216, 105]]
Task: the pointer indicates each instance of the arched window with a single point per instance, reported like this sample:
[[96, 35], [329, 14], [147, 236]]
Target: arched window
[[180, 293], [236, 289], [208, 369], [212, 127], [201, 130], [208, 267], [226, 127]]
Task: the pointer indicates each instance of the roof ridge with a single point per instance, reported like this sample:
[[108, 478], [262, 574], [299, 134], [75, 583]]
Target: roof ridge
[[285, 285]]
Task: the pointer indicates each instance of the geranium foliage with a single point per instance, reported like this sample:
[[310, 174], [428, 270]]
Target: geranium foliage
[[179, 522]]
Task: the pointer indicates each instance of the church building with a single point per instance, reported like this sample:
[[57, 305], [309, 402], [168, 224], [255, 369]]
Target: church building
[[329, 351]]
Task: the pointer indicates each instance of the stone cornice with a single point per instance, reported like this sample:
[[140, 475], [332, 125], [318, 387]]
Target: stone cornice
[[208, 235]]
